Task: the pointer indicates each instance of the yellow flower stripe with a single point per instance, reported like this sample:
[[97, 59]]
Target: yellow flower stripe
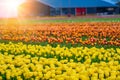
[[21, 61]]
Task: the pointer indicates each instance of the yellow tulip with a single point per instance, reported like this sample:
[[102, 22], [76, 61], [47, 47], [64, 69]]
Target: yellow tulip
[[107, 74], [47, 76], [101, 76], [82, 77], [94, 78], [118, 78], [1, 78], [8, 76], [35, 73], [19, 78]]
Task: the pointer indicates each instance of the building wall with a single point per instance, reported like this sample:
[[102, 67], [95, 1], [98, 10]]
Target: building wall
[[106, 10], [83, 11], [55, 11], [91, 10], [80, 11], [119, 10], [33, 9], [68, 11], [52, 12], [62, 11]]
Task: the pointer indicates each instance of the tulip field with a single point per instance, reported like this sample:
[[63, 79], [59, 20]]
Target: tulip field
[[60, 51]]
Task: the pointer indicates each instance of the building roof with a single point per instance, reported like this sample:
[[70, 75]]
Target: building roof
[[76, 3]]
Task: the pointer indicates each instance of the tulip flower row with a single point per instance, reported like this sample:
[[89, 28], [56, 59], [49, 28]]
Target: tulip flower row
[[103, 33], [77, 54], [20, 61]]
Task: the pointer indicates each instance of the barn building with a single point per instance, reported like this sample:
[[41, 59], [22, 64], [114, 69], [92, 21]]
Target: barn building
[[66, 7], [118, 4]]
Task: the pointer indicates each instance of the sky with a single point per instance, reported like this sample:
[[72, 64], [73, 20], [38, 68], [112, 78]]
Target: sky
[[8, 8]]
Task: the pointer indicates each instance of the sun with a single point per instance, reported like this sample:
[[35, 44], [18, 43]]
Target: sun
[[12, 4]]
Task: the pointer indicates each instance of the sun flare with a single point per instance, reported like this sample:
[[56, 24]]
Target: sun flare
[[11, 6]]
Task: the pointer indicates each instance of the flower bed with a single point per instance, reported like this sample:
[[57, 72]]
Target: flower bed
[[75, 33], [20, 61], [60, 51]]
